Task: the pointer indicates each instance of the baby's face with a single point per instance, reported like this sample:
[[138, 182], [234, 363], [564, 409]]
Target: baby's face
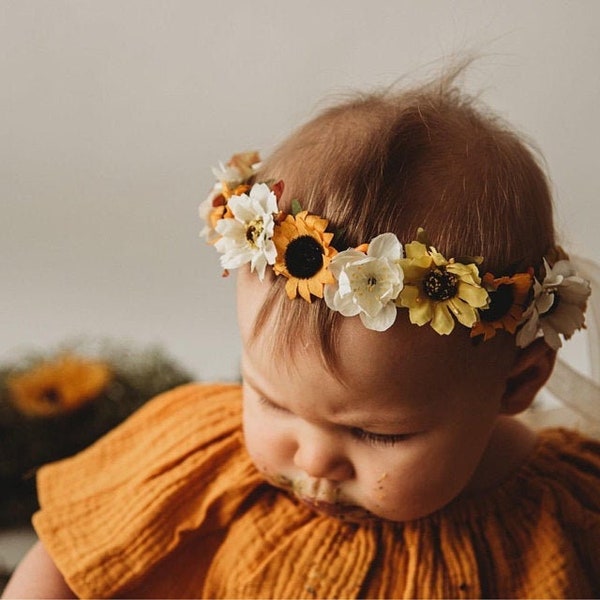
[[400, 436]]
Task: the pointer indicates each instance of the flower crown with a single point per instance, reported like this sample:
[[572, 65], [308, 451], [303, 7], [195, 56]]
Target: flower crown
[[373, 280]]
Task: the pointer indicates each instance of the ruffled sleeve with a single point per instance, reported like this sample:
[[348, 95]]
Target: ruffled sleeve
[[174, 470]]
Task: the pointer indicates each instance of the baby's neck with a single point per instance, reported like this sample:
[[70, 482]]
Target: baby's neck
[[510, 444]]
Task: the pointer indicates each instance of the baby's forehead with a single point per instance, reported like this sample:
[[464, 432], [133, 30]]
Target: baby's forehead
[[400, 354], [405, 356]]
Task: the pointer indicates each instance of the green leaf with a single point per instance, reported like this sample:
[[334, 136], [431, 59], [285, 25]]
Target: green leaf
[[296, 207], [467, 260]]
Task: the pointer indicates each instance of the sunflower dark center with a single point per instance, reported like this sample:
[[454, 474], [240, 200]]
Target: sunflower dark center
[[501, 301], [51, 396], [304, 257], [439, 285]]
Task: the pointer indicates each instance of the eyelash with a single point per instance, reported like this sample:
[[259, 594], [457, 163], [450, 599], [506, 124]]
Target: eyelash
[[378, 439], [270, 405], [374, 439]]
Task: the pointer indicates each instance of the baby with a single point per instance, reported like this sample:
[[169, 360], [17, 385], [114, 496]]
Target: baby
[[401, 298]]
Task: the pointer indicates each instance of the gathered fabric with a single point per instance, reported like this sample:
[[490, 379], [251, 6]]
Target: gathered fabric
[[169, 505]]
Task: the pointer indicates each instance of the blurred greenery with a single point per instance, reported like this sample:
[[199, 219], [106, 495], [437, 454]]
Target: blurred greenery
[[28, 441]]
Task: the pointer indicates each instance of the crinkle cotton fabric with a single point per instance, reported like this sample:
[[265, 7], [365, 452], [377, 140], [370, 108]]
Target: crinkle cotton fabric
[[169, 505]]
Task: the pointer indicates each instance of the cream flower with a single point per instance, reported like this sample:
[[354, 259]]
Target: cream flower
[[240, 168], [247, 236], [207, 212], [367, 284], [232, 180], [558, 306], [436, 290]]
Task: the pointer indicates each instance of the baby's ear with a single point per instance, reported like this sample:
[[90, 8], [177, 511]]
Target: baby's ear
[[532, 367]]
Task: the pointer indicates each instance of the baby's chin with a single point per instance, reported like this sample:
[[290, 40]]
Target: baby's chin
[[343, 512]]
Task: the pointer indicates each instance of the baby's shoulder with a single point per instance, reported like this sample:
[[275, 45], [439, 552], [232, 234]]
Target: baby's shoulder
[[566, 467], [565, 456], [562, 473], [557, 489]]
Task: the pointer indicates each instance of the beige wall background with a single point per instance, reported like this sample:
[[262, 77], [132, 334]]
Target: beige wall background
[[112, 113]]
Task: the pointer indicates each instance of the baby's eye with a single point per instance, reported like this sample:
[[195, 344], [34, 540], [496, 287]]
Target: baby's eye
[[379, 439], [271, 405]]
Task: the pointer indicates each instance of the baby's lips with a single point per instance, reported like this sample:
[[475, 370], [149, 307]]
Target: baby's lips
[[321, 490], [345, 512], [329, 508]]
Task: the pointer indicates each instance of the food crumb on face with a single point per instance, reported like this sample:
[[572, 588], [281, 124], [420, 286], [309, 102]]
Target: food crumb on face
[[382, 477]]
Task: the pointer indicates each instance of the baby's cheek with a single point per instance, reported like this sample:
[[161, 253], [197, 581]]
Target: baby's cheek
[[378, 491], [264, 448]]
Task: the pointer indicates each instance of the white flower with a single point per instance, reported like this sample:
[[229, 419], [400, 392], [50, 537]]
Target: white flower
[[558, 306], [238, 170], [205, 210], [229, 174], [367, 284], [247, 237]]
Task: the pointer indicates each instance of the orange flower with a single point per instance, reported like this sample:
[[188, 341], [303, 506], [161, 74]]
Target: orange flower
[[304, 254], [238, 190], [244, 163], [59, 386], [508, 300]]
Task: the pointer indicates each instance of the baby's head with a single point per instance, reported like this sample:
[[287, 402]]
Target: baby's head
[[347, 400]]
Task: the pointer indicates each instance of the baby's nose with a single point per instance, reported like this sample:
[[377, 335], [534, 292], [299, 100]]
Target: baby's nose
[[322, 460]]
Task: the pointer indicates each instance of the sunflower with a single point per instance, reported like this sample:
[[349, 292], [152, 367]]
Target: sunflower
[[303, 254], [59, 386], [508, 301], [436, 289]]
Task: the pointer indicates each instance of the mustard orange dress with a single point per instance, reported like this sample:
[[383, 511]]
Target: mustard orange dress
[[169, 505]]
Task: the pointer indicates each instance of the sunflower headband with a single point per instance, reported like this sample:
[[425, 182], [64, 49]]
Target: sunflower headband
[[373, 280]]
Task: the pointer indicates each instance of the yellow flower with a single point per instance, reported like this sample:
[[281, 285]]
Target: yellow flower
[[59, 386], [508, 301], [436, 290], [303, 255]]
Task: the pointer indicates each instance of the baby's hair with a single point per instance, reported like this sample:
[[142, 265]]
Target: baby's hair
[[393, 161]]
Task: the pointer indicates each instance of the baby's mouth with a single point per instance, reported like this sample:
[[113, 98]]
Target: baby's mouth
[[323, 497], [316, 491], [329, 508]]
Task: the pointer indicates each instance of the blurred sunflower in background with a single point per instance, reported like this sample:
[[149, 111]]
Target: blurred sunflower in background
[[56, 403], [58, 386]]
